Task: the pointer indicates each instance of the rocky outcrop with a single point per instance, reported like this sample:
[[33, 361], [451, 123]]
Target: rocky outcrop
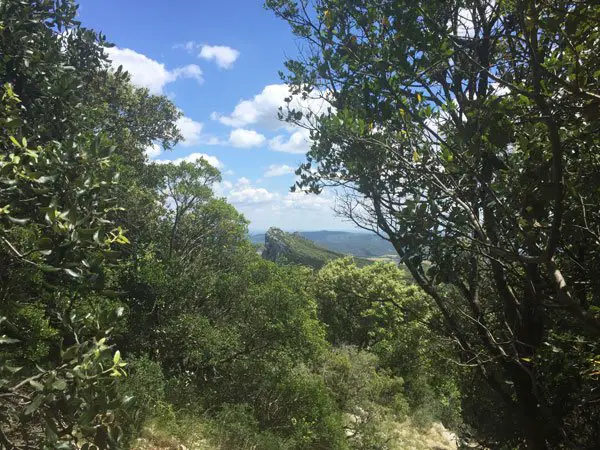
[[276, 248]]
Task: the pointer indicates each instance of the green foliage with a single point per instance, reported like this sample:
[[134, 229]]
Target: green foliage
[[105, 257], [68, 123], [467, 132], [145, 385], [75, 400], [371, 398], [379, 310], [360, 305]]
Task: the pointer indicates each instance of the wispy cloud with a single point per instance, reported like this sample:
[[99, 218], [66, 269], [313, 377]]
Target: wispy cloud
[[277, 170], [222, 55]]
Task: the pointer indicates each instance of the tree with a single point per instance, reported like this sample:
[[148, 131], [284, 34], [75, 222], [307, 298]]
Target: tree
[[377, 309], [186, 185], [69, 123], [467, 134]]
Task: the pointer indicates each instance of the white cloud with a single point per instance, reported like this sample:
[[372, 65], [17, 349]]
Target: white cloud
[[465, 24], [190, 130], [290, 211], [189, 71], [243, 182], [148, 73], [152, 151], [192, 157], [243, 138], [263, 108], [297, 142], [301, 200], [224, 56], [287, 210], [277, 170], [262, 111], [251, 196], [190, 46]]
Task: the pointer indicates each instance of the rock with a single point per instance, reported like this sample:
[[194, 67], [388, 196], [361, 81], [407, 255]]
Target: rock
[[276, 248]]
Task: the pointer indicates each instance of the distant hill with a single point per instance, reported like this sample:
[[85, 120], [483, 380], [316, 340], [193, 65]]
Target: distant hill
[[362, 245], [294, 248]]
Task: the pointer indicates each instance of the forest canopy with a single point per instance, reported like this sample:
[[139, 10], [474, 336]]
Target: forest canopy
[[136, 313]]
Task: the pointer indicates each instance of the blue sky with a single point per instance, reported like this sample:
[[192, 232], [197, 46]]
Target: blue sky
[[219, 61]]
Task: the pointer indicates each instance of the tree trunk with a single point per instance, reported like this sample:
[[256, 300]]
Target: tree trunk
[[535, 425]]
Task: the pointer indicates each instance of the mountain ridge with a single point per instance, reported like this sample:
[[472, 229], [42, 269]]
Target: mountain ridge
[[361, 245]]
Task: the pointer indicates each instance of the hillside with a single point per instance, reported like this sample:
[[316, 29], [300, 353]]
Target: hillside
[[294, 248], [362, 245]]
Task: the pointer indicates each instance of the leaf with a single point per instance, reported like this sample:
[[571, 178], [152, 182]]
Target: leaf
[[59, 385], [72, 273], [18, 221], [70, 353], [44, 244], [34, 405], [117, 357], [14, 141], [36, 385], [51, 430], [12, 369], [46, 179]]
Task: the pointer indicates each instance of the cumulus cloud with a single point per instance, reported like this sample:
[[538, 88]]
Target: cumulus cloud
[[190, 130], [297, 142], [251, 196], [148, 73], [222, 55], [243, 182], [277, 170], [287, 210], [242, 138], [192, 157], [262, 109], [152, 151]]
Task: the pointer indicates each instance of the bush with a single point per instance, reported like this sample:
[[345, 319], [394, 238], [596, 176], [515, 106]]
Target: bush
[[145, 385]]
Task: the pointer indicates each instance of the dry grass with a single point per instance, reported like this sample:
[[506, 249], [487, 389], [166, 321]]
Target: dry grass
[[405, 436]]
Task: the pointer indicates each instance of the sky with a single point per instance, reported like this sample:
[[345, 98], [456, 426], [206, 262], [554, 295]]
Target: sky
[[218, 61]]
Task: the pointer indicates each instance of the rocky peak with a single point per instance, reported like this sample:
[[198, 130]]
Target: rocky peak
[[275, 245]]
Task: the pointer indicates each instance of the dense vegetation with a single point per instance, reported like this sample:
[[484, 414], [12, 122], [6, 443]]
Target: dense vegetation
[[135, 312], [133, 304], [467, 133]]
